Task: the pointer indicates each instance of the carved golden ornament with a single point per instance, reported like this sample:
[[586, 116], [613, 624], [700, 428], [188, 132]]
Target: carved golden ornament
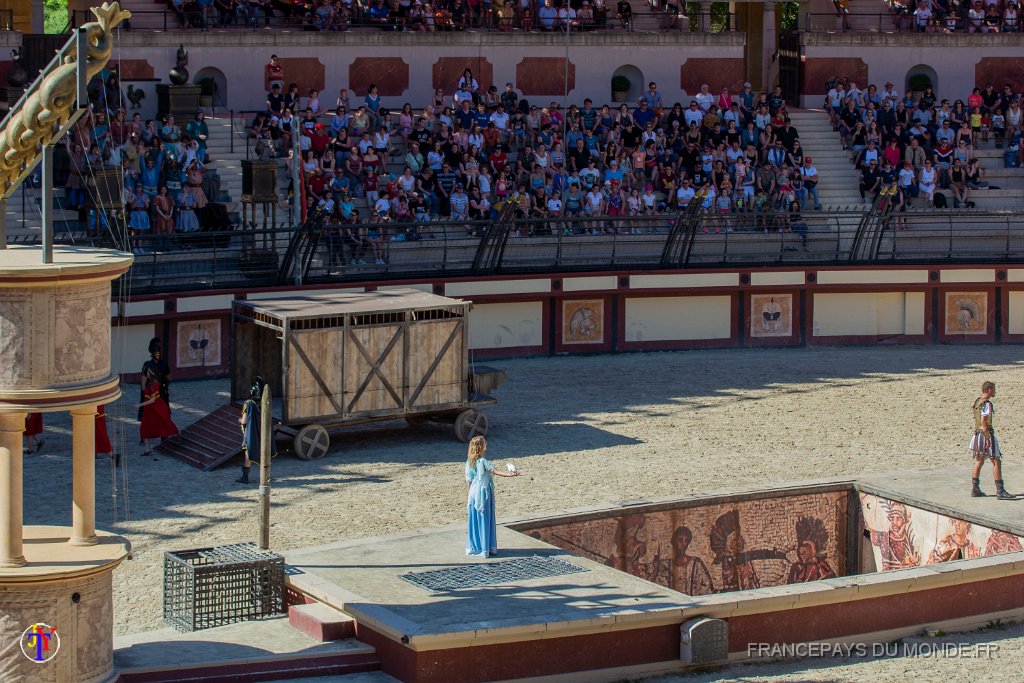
[[49, 106]]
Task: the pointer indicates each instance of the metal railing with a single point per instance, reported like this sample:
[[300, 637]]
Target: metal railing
[[201, 260], [393, 251], [901, 22], [653, 21]]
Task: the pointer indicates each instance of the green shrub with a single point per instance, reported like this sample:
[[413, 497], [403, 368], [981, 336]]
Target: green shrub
[[620, 84], [920, 82], [207, 86]]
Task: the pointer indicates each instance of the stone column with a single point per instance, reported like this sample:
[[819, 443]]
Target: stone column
[[12, 428], [768, 47], [83, 456], [705, 17]]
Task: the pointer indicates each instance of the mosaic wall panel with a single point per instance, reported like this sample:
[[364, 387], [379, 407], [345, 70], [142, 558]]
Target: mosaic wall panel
[[718, 548], [583, 322], [902, 536], [771, 315], [966, 312], [199, 343], [81, 350], [15, 356]]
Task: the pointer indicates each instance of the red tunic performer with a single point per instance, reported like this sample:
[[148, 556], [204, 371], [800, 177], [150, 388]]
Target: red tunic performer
[[103, 446], [156, 414], [33, 428]]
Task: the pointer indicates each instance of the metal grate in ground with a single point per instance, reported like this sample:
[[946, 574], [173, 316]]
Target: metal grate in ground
[[491, 573]]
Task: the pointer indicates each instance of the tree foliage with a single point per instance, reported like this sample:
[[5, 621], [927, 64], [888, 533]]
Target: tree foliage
[[55, 16]]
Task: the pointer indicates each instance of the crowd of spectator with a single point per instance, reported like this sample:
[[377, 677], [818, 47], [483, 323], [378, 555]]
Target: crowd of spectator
[[923, 144], [972, 16], [162, 164], [463, 157], [425, 15]]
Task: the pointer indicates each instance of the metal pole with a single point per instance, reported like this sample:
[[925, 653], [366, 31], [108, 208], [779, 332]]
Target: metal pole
[[47, 203], [81, 57], [565, 89], [297, 180], [266, 451]]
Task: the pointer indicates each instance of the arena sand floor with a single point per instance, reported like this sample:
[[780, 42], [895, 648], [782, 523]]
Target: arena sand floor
[[584, 430]]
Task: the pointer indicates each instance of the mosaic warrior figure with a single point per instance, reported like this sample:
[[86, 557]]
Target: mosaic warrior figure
[[897, 544], [730, 549], [812, 537], [688, 574], [985, 445], [955, 546], [1002, 542]]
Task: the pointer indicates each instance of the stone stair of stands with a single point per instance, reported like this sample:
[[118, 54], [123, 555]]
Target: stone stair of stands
[[840, 180], [838, 184], [149, 15]]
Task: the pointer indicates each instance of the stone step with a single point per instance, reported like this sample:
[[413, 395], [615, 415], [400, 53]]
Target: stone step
[[321, 622]]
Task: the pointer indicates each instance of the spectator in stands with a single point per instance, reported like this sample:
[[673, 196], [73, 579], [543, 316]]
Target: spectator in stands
[[1011, 18], [870, 181], [923, 16], [200, 132], [624, 13], [809, 178], [958, 184], [704, 99]]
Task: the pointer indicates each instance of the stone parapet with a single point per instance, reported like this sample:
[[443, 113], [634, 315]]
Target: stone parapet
[[977, 41], [487, 41]]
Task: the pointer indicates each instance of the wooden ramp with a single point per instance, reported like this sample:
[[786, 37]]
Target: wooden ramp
[[209, 441]]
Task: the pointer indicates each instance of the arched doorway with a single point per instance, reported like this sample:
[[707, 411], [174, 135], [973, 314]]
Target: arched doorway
[[220, 84], [916, 78], [637, 85]]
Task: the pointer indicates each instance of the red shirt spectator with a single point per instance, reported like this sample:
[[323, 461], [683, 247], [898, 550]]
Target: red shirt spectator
[[274, 73], [498, 160], [318, 182], [318, 139]]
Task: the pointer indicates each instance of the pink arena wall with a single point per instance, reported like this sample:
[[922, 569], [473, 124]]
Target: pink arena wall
[[409, 67], [624, 311]]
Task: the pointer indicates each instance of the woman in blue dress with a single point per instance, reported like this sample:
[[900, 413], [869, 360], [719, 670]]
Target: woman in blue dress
[[482, 534], [187, 220], [139, 205]]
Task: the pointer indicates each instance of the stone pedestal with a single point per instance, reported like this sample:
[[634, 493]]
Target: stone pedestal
[[55, 356], [177, 100], [70, 590]]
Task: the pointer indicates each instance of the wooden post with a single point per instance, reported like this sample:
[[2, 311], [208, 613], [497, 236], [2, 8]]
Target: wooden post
[[266, 449]]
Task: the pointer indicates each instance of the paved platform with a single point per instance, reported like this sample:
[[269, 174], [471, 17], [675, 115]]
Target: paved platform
[[251, 645], [362, 578], [947, 490]]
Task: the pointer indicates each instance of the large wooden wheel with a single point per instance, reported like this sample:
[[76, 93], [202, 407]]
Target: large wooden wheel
[[470, 423], [312, 442]]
